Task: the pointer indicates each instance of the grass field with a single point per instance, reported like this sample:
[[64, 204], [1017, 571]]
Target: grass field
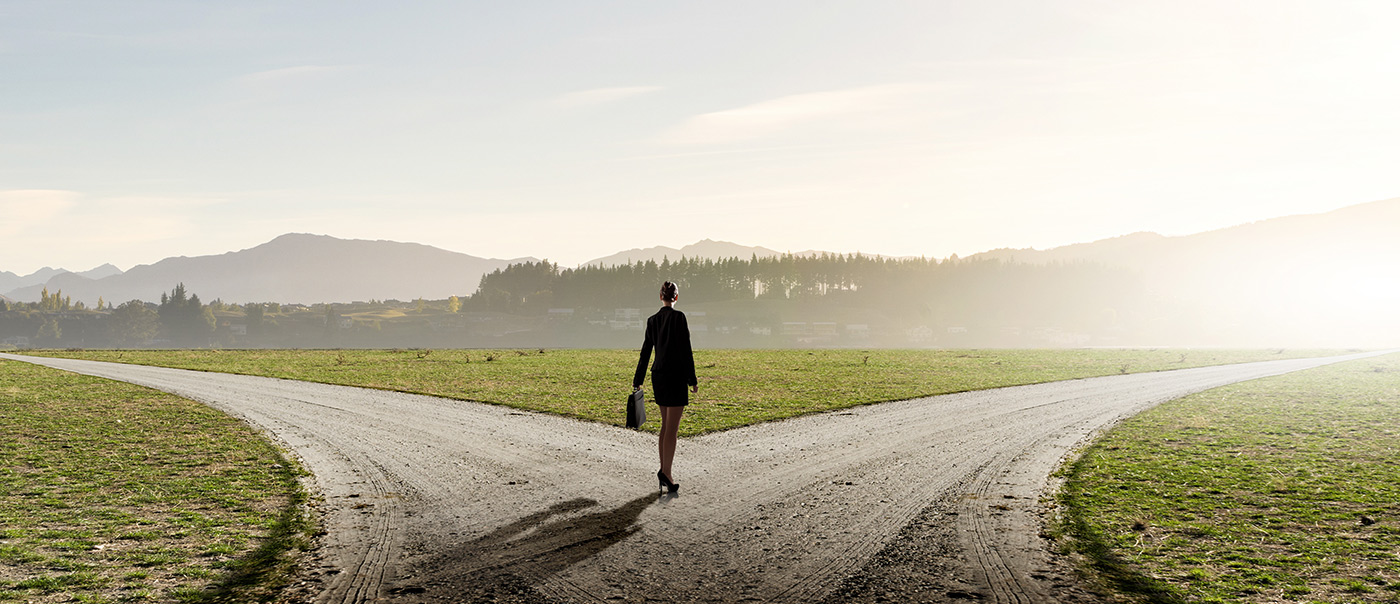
[[1278, 490], [737, 387], [111, 492]]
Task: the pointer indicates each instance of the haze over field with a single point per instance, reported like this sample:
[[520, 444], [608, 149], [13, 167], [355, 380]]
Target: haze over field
[[1310, 280]]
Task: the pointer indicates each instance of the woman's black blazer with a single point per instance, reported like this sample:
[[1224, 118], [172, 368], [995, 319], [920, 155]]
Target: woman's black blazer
[[669, 334]]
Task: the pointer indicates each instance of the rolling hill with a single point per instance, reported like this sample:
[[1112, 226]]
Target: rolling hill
[[1332, 272]]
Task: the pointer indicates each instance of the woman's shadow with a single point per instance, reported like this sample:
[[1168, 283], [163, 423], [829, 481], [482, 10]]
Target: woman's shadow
[[504, 564]]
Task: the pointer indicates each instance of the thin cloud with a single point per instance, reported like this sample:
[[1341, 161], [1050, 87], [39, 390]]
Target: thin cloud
[[788, 113], [106, 226], [598, 96], [743, 151], [22, 210], [287, 74]]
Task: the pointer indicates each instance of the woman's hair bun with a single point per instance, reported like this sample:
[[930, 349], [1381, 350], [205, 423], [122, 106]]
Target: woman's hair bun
[[669, 291]]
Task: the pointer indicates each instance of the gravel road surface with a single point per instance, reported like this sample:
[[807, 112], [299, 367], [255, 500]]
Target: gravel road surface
[[932, 499]]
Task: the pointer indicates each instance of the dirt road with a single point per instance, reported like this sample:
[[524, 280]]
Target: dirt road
[[429, 499]]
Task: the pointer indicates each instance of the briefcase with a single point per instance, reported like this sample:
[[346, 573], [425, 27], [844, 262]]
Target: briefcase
[[636, 409]]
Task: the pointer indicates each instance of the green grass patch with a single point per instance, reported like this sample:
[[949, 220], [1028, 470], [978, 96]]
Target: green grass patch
[[101, 479], [737, 387], [1281, 489]]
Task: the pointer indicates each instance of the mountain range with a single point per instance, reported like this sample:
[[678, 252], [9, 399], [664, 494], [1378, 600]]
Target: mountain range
[[10, 281], [291, 268], [1345, 256]]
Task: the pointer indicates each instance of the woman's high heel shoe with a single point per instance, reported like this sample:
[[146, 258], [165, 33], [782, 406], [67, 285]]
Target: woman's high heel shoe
[[666, 484]]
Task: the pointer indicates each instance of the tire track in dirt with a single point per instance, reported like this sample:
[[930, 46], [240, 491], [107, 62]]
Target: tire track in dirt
[[429, 499]]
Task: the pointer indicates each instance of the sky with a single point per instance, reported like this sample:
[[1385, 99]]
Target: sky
[[133, 131]]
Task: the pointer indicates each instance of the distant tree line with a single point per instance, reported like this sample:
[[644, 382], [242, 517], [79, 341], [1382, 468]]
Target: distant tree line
[[180, 319], [535, 286], [919, 290]]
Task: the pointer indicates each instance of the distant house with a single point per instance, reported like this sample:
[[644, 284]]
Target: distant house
[[761, 331], [561, 313], [919, 335], [627, 319], [627, 325], [796, 328], [857, 330], [238, 329], [824, 329], [957, 330]]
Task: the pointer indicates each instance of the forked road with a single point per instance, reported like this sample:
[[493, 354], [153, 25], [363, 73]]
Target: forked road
[[429, 499]]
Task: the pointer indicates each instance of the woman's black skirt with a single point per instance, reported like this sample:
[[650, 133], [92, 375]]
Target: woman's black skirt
[[670, 394]]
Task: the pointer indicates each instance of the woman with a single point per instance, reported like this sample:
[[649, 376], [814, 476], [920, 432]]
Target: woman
[[673, 370]]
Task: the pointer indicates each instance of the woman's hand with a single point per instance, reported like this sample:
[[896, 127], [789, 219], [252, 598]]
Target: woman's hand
[[694, 388]]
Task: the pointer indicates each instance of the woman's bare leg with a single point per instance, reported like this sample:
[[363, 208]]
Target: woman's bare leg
[[666, 440]]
